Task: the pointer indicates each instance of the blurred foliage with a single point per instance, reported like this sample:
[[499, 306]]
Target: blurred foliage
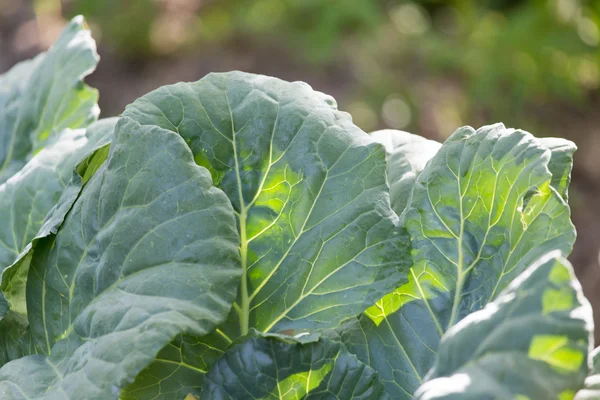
[[427, 65]]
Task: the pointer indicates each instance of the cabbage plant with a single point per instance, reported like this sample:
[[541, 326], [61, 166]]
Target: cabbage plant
[[239, 237]]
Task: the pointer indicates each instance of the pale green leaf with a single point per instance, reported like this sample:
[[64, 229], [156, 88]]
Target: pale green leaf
[[531, 342], [148, 251], [561, 163], [407, 155], [42, 97]]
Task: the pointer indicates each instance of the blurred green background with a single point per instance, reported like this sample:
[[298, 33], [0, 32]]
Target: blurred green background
[[426, 66]]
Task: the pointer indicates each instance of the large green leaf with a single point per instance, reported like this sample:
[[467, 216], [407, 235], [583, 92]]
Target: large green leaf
[[407, 155], [42, 97], [148, 251], [561, 163], [591, 391], [28, 196], [276, 367], [46, 186], [318, 237], [482, 210], [531, 342], [308, 187]]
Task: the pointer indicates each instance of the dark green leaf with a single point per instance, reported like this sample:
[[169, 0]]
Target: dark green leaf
[[277, 367], [98, 301], [32, 193]]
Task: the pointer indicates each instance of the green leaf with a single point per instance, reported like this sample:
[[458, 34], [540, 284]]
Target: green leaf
[[42, 97], [407, 155], [481, 211], [319, 241], [178, 369], [591, 391], [531, 342], [28, 196], [561, 163], [98, 305], [287, 368], [308, 187]]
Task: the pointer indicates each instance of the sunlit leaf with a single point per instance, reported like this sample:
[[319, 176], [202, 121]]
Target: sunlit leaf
[[482, 210], [531, 342]]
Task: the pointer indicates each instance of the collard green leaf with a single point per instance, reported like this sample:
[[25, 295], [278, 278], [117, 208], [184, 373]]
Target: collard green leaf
[[481, 211], [531, 342], [42, 97], [285, 368], [28, 196], [561, 163], [148, 251], [308, 187], [319, 241], [407, 155], [591, 390]]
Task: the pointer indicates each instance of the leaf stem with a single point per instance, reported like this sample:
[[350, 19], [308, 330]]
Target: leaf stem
[[457, 293], [245, 302], [460, 276], [243, 215]]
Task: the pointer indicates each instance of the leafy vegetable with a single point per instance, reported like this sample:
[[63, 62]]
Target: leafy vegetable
[[96, 292], [28, 196], [287, 159], [316, 227], [280, 367], [531, 342], [238, 237], [40, 98], [481, 212]]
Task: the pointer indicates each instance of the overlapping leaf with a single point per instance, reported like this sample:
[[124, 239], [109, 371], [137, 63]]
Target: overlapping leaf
[[42, 97], [276, 367], [561, 163], [318, 237], [148, 251], [481, 211], [531, 342], [406, 155], [27, 197]]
